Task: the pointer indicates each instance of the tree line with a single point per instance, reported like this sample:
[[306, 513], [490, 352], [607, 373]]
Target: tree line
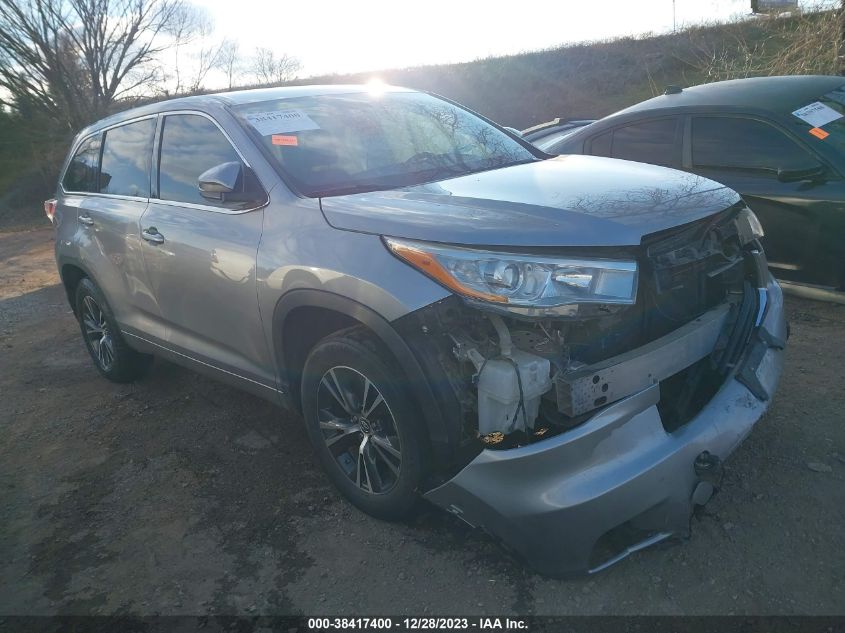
[[72, 62]]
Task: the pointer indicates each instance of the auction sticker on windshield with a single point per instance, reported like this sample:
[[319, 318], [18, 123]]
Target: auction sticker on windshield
[[280, 122], [817, 114]]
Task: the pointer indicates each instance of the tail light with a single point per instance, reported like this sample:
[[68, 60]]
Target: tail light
[[50, 208]]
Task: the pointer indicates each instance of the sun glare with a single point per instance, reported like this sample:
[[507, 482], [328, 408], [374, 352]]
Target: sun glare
[[376, 87]]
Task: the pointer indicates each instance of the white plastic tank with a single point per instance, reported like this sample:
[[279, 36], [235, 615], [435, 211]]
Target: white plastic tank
[[498, 392]]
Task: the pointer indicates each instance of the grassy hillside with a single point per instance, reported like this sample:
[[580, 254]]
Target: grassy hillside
[[581, 80], [594, 79], [585, 80]]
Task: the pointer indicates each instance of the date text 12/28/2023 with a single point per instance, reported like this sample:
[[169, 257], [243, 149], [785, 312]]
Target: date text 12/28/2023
[[417, 624]]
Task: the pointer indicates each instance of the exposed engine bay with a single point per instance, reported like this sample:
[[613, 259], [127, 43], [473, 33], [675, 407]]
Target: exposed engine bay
[[513, 381]]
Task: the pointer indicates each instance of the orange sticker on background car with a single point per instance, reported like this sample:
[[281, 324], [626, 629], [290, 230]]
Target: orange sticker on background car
[[282, 139], [819, 133]]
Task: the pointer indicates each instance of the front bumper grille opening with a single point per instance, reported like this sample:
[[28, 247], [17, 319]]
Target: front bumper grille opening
[[685, 394]]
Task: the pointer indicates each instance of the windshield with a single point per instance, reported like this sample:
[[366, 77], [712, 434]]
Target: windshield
[[836, 128], [338, 144]]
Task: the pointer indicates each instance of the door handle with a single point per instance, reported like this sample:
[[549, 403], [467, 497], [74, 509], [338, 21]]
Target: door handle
[[86, 220], [152, 235]]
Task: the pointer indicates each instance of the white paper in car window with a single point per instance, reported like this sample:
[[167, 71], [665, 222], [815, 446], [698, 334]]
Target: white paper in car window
[[817, 114], [280, 122]]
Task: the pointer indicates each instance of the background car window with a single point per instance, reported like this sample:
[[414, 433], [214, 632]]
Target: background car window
[[600, 145], [190, 145], [127, 150], [836, 129], [647, 142], [731, 142], [81, 174]]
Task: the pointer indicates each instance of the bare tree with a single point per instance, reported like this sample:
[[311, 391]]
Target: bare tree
[[72, 59], [194, 30], [268, 68], [229, 61]]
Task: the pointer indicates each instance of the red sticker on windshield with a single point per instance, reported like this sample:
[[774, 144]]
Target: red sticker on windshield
[[281, 139], [819, 133]]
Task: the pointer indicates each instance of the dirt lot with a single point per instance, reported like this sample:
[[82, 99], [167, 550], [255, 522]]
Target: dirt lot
[[178, 495]]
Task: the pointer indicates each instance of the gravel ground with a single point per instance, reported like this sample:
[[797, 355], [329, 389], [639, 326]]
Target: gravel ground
[[177, 495]]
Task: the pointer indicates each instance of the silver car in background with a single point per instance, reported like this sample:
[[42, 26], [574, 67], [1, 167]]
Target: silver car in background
[[560, 351]]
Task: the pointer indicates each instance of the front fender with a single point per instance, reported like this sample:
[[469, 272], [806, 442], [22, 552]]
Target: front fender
[[440, 433]]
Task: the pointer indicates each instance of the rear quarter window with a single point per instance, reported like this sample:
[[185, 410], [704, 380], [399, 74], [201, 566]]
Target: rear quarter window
[[81, 173]]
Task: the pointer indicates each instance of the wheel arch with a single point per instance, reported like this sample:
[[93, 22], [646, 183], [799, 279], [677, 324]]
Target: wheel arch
[[325, 312], [71, 273]]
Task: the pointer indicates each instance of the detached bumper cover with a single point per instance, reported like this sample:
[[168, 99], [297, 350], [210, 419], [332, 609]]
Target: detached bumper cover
[[553, 501]]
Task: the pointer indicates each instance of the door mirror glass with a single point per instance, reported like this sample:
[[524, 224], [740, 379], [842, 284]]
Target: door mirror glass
[[814, 173], [230, 182]]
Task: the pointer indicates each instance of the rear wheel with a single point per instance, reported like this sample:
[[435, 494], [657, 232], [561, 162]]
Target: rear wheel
[[362, 425], [113, 358]]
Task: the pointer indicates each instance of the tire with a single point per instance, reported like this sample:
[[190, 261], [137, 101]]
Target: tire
[[354, 396], [112, 357]]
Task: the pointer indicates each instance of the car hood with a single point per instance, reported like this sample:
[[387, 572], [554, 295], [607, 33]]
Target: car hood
[[565, 201]]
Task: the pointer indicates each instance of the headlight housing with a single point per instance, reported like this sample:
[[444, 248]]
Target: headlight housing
[[749, 226], [520, 282]]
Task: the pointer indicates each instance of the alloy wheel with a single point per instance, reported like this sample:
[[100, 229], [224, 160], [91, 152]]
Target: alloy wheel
[[98, 336], [359, 429]]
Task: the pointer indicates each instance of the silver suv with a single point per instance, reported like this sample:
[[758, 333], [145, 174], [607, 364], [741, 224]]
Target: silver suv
[[558, 350]]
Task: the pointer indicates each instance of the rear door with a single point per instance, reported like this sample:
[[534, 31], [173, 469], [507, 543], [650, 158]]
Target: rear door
[[78, 182], [108, 221], [799, 218], [201, 254]]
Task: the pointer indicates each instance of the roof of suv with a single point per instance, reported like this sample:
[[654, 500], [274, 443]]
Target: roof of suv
[[237, 97], [778, 94]]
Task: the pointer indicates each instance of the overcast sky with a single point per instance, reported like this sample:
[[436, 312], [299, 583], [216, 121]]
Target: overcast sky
[[361, 35]]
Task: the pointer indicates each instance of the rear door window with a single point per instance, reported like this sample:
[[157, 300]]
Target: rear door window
[[190, 145], [655, 142], [600, 145], [741, 143], [127, 152], [81, 174]]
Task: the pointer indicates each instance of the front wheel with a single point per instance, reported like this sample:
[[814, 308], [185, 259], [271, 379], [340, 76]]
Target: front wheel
[[362, 424]]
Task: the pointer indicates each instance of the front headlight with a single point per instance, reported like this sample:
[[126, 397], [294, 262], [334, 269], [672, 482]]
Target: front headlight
[[522, 281]]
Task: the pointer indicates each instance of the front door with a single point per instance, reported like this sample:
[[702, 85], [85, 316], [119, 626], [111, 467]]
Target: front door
[[200, 255], [803, 221]]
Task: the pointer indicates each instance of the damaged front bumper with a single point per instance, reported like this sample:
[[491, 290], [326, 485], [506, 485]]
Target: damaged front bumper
[[583, 500]]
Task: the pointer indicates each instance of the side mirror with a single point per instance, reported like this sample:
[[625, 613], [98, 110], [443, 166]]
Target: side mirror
[[513, 131], [814, 173], [230, 182]]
